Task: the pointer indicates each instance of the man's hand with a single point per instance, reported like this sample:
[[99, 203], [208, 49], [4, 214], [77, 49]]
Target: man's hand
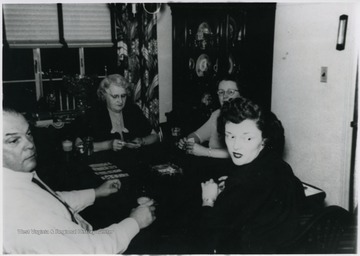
[[144, 215], [107, 188], [210, 192]]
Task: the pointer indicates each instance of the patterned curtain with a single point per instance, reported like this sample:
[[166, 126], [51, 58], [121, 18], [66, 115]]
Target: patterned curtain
[[137, 56]]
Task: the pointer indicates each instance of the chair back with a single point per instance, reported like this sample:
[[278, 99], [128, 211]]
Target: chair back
[[325, 232]]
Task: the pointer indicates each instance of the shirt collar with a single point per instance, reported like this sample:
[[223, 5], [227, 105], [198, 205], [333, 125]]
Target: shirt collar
[[10, 174]]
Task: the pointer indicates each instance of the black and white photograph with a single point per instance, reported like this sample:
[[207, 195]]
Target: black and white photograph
[[185, 127]]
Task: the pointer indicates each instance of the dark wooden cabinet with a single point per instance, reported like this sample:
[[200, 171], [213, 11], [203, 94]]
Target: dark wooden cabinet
[[211, 39]]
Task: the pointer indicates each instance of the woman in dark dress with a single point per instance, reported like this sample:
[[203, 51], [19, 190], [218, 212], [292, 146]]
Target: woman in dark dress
[[255, 208], [115, 122], [118, 125]]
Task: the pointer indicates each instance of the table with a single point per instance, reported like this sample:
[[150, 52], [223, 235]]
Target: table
[[142, 181], [171, 193]]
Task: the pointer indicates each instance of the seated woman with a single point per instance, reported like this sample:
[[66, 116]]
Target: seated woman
[[207, 156], [255, 208], [228, 88], [116, 123]]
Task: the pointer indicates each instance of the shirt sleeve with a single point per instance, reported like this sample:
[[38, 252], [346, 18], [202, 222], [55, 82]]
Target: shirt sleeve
[[53, 234], [37, 223], [113, 239], [110, 240], [78, 199]]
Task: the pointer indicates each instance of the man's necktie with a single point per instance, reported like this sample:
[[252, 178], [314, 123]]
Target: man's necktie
[[75, 217], [41, 185]]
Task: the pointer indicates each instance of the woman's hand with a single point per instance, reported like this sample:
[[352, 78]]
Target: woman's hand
[[196, 149], [210, 192], [78, 142], [182, 143], [189, 146], [221, 181], [117, 145], [107, 188], [137, 143]]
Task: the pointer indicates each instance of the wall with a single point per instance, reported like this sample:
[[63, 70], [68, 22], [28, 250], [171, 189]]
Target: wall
[[164, 30], [316, 115]]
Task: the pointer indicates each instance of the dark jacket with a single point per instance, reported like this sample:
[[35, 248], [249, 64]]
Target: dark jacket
[[258, 209]]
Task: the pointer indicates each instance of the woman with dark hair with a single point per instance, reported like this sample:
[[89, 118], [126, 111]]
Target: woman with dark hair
[[266, 121], [255, 208]]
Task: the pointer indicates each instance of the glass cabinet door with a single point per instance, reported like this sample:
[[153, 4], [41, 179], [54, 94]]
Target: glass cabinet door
[[214, 39]]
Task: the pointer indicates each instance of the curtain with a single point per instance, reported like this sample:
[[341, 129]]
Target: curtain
[[137, 56]]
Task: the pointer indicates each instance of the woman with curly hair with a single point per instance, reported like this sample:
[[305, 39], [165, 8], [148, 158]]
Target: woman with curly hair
[[255, 208], [116, 123]]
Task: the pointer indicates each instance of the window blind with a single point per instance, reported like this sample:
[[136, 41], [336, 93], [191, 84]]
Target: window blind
[[31, 25], [87, 25], [37, 25]]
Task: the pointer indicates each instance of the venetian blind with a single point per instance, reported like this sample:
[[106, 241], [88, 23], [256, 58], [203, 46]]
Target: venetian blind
[[87, 25], [31, 25], [37, 25]]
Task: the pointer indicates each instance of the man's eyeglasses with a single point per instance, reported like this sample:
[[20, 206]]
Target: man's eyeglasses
[[230, 92]]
